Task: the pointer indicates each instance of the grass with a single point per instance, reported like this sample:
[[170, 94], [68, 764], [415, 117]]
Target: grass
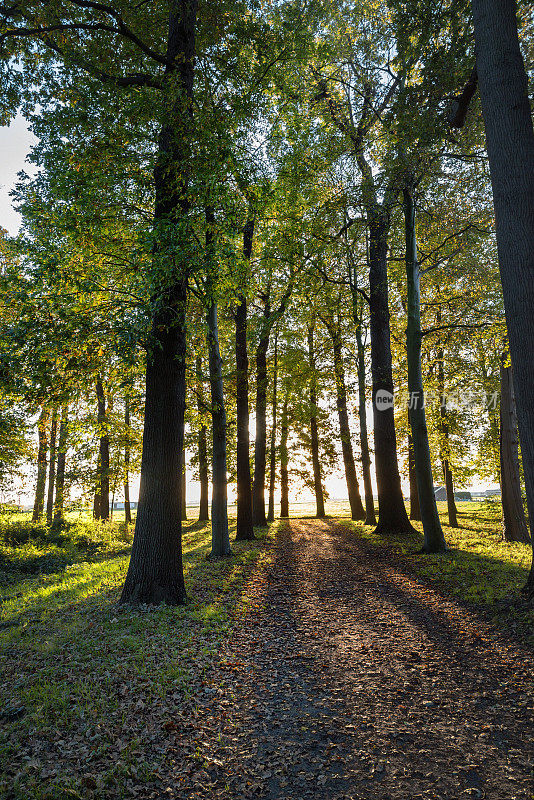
[[479, 569], [87, 689], [90, 692]]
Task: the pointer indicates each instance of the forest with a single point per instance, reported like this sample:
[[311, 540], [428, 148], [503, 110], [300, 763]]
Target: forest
[[266, 339]]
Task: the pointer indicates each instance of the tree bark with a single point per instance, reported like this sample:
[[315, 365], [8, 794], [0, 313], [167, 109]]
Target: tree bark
[[98, 488], [434, 540], [103, 450], [370, 517], [59, 504], [444, 439], [220, 542], [203, 514], [245, 529], [515, 527], [260, 444], [183, 488], [507, 116], [284, 460], [155, 573], [356, 506], [415, 512], [127, 509], [52, 468], [272, 455], [314, 432], [42, 432], [392, 516]]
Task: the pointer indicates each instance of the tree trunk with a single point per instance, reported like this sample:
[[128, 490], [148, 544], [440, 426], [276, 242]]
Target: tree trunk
[[314, 432], [515, 527], [220, 542], [284, 460], [42, 431], [356, 506], [183, 488], [203, 515], [444, 440], [52, 468], [510, 142], [434, 541], [392, 516], [59, 504], [245, 529], [370, 517], [98, 488], [103, 450], [155, 573], [272, 458], [415, 512], [127, 509], [260, 444]]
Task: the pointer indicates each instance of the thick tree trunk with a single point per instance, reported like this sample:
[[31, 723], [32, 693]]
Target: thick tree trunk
[[314, 432], [415, 512], [434, 540], [444, 437], [59, 503], [52, 468], [272, 455], [42, 432], [510, 142], [183, 488], [284, 460], [370, 517], [203, 514], [220, 542], [245, 529], [260, 444], [392, 516], [103, 450], [127, 509], [155, 573], [515, 527], [356, 506]]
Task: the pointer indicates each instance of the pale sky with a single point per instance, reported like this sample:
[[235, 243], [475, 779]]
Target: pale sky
[[15, 143]]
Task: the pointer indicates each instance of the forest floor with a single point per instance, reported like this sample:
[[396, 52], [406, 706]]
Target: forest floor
[[332, 664]]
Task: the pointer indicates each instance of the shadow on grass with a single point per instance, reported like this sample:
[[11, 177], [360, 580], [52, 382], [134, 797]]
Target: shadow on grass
[[479, 571], [71, 668]]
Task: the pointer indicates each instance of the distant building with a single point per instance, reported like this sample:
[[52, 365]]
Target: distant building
[[119, 506], [463, 496], [440, 493]]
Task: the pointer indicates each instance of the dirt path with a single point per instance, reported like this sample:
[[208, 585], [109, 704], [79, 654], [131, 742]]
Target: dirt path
[[351, 679]]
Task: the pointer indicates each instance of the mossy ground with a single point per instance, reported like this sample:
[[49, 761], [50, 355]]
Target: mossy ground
[[86, 686]]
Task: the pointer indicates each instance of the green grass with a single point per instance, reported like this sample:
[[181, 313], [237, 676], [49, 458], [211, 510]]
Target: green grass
[[98, 684], [479, 568]]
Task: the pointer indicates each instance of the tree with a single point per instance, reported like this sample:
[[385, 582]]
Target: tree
[[510, 142], [42, 462], [514, 523]]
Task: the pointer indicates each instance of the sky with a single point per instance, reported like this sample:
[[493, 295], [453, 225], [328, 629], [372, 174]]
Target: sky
[[15, 143]]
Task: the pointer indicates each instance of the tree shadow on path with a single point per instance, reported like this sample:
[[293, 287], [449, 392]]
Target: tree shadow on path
[[349, 679]]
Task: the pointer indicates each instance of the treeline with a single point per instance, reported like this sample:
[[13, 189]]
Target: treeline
[[281, 211]]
